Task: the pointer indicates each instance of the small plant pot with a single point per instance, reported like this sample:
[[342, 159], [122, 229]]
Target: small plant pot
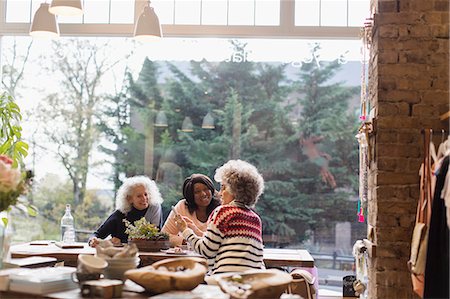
[[150, 245]]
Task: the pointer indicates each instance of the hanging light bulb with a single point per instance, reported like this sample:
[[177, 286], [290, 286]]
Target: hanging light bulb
[[161, 120], [66, 7], [208, 122], [147, 26], [44, 23], [187, 125]]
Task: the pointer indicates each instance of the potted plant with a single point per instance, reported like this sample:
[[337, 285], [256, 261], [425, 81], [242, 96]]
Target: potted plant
[[146, 236]]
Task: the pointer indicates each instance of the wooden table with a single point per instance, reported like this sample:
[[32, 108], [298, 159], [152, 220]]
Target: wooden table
[[131, 290], [273, 257]]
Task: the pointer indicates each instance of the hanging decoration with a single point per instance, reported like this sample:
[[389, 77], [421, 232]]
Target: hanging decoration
[[365, 128]]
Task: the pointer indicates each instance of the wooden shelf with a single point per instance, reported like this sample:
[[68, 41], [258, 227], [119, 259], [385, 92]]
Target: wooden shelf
[[445, 116]]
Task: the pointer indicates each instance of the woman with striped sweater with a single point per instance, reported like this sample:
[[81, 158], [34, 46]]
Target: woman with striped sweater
[[233, 240]]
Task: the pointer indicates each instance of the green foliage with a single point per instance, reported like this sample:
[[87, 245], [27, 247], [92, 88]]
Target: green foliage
[[261, 117], [10, 130], [142, 229]]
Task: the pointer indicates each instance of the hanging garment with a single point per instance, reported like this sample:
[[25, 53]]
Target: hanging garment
[[437, 263], [417, 261]]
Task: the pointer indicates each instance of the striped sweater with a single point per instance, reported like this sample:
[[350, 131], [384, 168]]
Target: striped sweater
[[233, 240]]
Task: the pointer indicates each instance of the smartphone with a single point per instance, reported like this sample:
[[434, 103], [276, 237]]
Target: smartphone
[[173, 210]]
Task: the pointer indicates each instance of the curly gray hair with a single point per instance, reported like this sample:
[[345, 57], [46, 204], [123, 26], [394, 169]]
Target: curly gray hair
[[154, 196], [243, 179]]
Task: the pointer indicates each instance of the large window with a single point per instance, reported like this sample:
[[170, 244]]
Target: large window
[[98, 109], [288, 106]]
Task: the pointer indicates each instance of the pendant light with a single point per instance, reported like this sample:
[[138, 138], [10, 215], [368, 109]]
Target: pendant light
[[66, 7], [161, 120], [147, 26], [44, 23], [187, 125], [208, 122]]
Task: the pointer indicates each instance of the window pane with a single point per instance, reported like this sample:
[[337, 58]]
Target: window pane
[[241, 12], [17, 11], [257, 102], [187, 12], [334, 13], [307, 12], [214, 12], [72, 19], [358, 11], [122, 12], [96, 11], [267, 12], [164, 10]]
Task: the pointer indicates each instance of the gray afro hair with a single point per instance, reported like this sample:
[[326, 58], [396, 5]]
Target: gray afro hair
[[244, 180], [154, 196]]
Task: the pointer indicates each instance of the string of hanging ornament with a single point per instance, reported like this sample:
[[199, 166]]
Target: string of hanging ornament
[[365, 128]]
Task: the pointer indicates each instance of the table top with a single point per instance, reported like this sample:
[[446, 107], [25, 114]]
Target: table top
[[130, 290], [273, 257]]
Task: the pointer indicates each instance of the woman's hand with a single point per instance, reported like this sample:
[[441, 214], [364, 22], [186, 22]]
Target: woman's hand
[[192, 226], [94, 241], [116, 241], [180, 223]]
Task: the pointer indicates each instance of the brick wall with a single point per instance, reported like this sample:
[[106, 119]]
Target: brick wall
[[409, 90]]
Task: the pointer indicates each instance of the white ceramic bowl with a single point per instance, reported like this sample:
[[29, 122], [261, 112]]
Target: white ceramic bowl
[[117, 267], [92, 264]]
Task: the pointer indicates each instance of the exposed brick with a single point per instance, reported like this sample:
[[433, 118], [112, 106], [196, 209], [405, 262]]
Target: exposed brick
[[395, 150], [398, 108], [425, 110], [440, 31], [392, 164], [387, 6], [420, 31], [441, 5], [390, 31], [392, 264], [398, 18], [408, 96], [397, 122], [395, 220], [417, 56], [411, 71], [433, 18], [435, 96], [388, 178], [422, 5], [388, 57], [387, 83], [393, 249], [393, 279], [411, 137]]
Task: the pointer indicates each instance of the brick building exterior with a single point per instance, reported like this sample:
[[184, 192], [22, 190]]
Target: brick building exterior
[[409, 91]]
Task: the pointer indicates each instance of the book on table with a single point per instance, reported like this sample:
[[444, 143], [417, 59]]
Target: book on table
[[42, 280]]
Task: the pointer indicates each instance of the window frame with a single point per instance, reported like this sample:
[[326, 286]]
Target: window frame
[[286, 29]]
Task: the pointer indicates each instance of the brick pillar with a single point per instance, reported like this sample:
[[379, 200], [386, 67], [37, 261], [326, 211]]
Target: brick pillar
[[408, 90]]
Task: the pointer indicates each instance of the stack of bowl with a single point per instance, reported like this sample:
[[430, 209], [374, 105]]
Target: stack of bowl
[[117, 267]]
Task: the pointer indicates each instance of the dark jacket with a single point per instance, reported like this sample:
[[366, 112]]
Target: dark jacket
[[115, 227]]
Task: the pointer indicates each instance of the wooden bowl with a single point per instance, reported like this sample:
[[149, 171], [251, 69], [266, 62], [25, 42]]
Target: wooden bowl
[[177, 274], [254, 284]]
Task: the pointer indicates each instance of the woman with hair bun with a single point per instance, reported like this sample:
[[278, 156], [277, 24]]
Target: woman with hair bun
[[233, 239], [200, 199]]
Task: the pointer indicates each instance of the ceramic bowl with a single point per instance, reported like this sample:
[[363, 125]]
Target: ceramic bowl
[[92, 264], [254, 284], [117, 267], [177, 274]]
